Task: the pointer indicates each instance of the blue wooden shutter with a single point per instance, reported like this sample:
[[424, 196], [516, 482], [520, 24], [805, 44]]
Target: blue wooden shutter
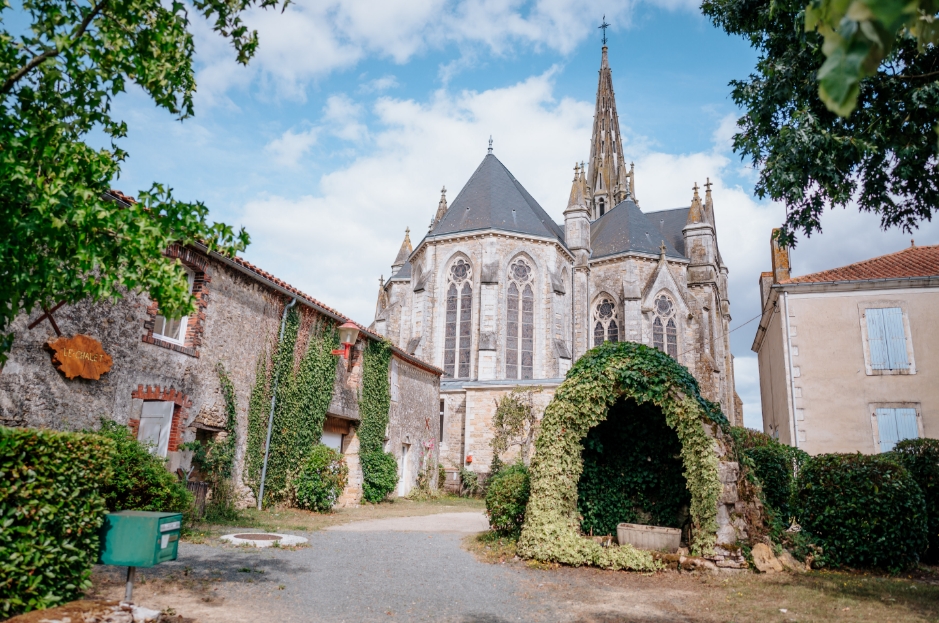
[[896, 338], [876, 339], [906, 424], [887, 427]]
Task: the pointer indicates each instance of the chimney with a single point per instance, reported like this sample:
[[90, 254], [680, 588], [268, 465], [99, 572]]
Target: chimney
[[780, 257]]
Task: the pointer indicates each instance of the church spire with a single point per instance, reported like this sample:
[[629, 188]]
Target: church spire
[[606, 177], [441, 208], [403, 253], [696, 212]]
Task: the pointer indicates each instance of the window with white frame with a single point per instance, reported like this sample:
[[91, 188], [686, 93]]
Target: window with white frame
[[664, 327], [894, 424], [605, 328], [173, 329], [886, 338]]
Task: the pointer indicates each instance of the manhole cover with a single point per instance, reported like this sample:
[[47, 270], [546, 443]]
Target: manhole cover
[[254, 536]]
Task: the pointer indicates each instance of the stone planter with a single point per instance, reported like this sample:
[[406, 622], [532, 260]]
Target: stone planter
[[655, 538]]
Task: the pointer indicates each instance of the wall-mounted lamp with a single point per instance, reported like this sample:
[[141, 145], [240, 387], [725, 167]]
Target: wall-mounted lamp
[[348, 333]]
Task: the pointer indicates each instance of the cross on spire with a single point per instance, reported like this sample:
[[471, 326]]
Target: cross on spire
[[708, 185], [490, 143], [603, 26]]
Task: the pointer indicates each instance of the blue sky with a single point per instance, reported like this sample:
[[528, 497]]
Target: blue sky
[[351, 117]]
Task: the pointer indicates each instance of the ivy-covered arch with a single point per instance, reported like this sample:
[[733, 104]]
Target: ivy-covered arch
[[602, 376]]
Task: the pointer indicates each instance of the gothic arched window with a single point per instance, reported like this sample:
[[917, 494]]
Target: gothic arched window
[[456, 353], [664, 327], [520, 322], [605, 328]]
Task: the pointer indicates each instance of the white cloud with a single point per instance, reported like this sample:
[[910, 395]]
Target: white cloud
[[341, 117], [291, 147], [379, 85]]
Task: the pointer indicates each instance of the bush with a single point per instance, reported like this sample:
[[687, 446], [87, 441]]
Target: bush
[[320, 480], [469, 483], [50, 512], [140, 481], [506, 500], [773, 464], [379, 475], [921, 458], [867, 511]]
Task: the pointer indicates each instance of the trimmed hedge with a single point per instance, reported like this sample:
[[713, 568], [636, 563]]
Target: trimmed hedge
[[320, 480], [506, 499], [867, 511], [921, 458], [379, 475], [773, 464], [50, 512]]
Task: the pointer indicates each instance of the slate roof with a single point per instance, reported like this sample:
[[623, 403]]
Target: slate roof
[[627, 228], [494, 199], [910, 262], [670, 224], [404, 273]]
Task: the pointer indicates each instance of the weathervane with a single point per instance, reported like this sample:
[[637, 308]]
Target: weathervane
[[603, 27], [490, 143]]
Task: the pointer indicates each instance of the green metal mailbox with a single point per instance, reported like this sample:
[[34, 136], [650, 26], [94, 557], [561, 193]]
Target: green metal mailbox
[[139, 538]]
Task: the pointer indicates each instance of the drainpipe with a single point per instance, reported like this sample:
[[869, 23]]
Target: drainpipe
[[792, 380], [270, 419]]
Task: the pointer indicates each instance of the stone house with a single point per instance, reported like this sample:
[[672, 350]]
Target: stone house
[[164, 382], [848, 357], [499, 295]]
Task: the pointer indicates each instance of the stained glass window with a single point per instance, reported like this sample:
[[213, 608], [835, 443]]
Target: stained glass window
[[459, 315], [605, 328], [664, 327], [520, 323]]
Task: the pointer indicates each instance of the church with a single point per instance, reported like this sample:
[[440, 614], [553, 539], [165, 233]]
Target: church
[[498, 295]]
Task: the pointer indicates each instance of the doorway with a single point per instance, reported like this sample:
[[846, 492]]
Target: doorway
[[404, 484]]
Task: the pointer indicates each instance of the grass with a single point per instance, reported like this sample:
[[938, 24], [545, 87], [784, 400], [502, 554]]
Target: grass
[[295, 520]]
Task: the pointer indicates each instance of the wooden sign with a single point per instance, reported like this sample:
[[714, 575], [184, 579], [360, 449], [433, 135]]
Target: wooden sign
[[80, 356]]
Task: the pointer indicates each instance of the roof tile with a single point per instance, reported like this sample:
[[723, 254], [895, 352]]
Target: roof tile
[[910, 262]]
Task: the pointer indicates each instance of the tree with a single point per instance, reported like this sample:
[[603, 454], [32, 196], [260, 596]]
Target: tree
[[63, 238], [515, 424], [883, 157]]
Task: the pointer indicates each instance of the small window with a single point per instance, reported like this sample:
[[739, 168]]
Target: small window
[[442, 411], [894, 425], [886, 338], [173, 329], [394, 380]]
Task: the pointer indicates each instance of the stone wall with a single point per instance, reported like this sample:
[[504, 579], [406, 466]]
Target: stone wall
[[414, 422]]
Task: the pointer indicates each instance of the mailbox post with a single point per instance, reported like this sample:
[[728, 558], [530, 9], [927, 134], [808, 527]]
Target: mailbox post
[[139, 539]]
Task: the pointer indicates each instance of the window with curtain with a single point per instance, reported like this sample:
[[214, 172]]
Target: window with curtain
[[520, 322], [605, 328], [664, 327], [459, 315], [173, 329], [886, 338]]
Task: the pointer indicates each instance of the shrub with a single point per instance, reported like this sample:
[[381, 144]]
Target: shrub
[[320, 480], [379, 475], [469, 483], [140, 481], [773, 464], [921, 458], [867, 511], [50, 512], [506, 499]]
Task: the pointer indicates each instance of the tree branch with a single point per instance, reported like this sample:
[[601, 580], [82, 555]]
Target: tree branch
[[39, 59]]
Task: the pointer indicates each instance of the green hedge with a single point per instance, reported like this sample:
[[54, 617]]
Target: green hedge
[[379, 475], [921, 458], [773, 464], [140, 480], [50, 512], [867, 511], [320, 480], [506, 499]]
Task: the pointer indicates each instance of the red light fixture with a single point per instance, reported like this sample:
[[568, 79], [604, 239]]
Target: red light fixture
[[348, 334]]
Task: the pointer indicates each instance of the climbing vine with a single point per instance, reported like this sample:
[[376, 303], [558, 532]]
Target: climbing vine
[[612, 371], [305, 377], [379, 469]]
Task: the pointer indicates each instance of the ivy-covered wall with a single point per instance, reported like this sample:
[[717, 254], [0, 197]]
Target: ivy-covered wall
[[599, 379]]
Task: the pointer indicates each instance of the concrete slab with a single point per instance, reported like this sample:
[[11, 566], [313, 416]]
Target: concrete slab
[[466, 523]]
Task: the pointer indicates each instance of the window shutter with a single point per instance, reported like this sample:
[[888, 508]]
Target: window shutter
[[895, 337], [906, 424], [876, 339], [887, 427]]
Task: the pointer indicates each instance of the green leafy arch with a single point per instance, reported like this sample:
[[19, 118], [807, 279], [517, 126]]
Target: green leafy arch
[[602, 376]]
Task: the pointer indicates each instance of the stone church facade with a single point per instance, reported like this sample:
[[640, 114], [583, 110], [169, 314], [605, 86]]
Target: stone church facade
[[498, 295]]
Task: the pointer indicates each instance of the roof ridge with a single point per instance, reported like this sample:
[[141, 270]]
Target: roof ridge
[[871, 264]]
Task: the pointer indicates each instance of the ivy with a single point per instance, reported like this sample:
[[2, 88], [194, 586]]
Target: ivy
[[379, 473], [306, 376], [595, 383]]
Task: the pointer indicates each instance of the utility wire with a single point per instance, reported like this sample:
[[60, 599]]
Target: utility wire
[[691, 350]]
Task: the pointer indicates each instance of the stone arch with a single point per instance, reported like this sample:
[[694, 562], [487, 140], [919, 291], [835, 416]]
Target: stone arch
[[597, 381]]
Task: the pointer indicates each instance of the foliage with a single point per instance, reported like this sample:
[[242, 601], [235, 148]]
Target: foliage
[[306, 374], [379, 469], [632, 472], [50, 512], [883, 157], [506, 498], [859, 35], [61, 65], [921, 458], [429, 482], [469, 483], [215, 458], [867, 511], [140, 481], [602, 376], [515, 423], [379, 475], [320, 480], [773, 463]]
